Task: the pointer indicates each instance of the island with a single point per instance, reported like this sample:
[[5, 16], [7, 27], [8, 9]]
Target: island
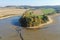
[[34, 20]]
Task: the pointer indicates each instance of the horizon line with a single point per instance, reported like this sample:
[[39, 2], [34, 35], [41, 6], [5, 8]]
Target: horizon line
[[29, 5]]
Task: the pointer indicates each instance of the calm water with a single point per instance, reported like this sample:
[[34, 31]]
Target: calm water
[[7, 31]]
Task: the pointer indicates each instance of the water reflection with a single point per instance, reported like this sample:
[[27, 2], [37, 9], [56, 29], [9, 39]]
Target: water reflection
[[16, 22]]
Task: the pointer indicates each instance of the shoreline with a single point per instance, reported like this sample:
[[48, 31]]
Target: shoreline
[[2, 17], [54, 15], [42, 25], [7, 16]]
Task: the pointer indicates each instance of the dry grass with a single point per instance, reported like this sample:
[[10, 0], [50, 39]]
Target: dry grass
[[37, 12], [11, 11]]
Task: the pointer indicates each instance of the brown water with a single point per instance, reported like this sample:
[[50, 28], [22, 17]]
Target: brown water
[[50, 32]]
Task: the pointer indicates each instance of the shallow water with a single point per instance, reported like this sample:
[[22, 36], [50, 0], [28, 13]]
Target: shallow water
[[50, 32], [7, 31]]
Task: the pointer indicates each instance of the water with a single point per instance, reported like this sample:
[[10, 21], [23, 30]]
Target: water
[[7, 31]]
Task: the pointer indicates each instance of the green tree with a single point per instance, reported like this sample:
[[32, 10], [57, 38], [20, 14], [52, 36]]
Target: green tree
[[29, 19]]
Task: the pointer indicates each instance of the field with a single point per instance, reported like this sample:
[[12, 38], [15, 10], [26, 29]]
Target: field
[[11, 11]]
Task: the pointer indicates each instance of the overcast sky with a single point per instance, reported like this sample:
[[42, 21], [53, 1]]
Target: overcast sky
[[29, 2]]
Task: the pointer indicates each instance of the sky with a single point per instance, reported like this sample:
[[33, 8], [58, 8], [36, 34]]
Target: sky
[[29, 2]]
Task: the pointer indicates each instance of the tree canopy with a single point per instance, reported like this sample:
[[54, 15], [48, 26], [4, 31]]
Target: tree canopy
[[29, 19]]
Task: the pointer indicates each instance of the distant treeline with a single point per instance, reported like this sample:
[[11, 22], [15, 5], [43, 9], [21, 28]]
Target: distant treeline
[[57, 8]]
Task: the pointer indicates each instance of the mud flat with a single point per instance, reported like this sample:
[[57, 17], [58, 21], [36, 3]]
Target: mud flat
[[51, 32]]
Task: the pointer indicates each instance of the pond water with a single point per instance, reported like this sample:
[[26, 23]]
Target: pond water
[[8, 31]]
